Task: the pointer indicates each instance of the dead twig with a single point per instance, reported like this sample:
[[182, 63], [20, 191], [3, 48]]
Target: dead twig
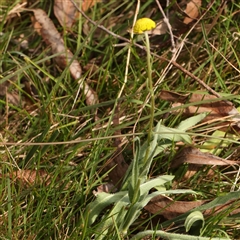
[[165, 19]]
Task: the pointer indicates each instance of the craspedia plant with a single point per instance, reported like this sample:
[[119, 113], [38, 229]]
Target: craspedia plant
[[143, 24]]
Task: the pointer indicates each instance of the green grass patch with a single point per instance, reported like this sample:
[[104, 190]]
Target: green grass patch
[[56, 136]]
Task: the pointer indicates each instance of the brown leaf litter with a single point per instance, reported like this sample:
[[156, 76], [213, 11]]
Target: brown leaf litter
[[169, 208], [218, 109], [192, 11], [30, 177], [117, 163], [194, 156], [67, 14], [64, 57]]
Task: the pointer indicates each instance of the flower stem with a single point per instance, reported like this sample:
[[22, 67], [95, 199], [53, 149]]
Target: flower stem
[[150, 89]]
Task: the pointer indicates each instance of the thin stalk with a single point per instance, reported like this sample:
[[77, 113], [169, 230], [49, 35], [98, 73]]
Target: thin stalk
[[150, 89]]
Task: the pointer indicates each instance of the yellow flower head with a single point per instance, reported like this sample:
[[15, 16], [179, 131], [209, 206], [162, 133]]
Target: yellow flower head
[[143, 24]]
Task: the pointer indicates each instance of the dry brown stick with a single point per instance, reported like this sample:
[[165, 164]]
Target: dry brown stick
[[166, 20], [203, 84]]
